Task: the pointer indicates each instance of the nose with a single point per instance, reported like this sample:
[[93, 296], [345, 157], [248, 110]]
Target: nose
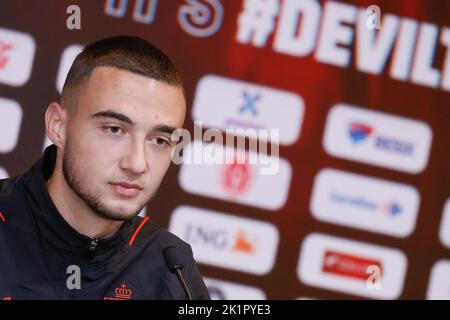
[[135, 160]]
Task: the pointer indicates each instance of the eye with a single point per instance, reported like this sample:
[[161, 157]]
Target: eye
[[160, 142], [114, 130]]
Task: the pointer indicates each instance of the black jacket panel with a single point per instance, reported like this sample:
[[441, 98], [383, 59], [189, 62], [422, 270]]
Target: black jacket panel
[[40, 252]]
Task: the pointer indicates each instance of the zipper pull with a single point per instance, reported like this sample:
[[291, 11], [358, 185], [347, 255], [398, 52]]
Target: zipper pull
[[93, 245]]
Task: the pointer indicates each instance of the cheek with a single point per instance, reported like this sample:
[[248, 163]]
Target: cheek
[[159, 163], [163, 161], [93, 163], [97, 153]]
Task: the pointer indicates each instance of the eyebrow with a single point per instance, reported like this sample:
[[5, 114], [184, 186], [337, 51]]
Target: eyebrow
[[164, 128], [121, 117], [113, 115]]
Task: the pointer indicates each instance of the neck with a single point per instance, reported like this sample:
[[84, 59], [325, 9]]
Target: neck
[[75, 212]]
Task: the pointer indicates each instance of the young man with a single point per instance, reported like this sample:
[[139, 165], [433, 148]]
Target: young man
[[69, 227]]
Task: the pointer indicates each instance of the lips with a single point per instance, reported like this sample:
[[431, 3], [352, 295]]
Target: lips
[[126, 189]]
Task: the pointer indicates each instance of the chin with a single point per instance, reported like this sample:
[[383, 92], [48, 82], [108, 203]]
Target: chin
[[119, 212], [122, 216]]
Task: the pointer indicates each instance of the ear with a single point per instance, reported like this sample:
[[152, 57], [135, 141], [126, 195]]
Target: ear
[[56, 123]]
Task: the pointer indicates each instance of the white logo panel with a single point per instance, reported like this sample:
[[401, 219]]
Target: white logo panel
[[224, 290], [229, 104], [10, 123], [17, 51], [444, 232], [3, 174], [365, 203], [227, 241], [439, 285], [377, 138], [68, 56], [344, 265], [241, 183]]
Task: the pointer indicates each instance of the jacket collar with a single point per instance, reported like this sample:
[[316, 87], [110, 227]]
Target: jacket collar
[[55, 232]]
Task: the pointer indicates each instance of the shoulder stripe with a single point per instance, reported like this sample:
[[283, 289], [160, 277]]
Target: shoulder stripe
[[137, 230]]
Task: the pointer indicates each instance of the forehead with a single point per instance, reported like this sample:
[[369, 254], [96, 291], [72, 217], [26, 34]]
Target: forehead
[[110, 88]]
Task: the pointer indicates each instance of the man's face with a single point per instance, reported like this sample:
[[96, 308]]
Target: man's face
[[118, 145]]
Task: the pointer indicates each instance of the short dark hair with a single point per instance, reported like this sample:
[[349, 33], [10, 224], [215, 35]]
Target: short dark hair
[[124, 52]]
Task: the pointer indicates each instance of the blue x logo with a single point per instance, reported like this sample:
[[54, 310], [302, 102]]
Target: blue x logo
[[250, 103]]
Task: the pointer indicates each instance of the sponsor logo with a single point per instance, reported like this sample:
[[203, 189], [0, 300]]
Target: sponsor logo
[[237, 178], [16, 57], [231, 104], [377, 138], [221, 239], [359, 132], [243, 244], [365, 203], [225, 241], [4, 57], [237, 181], [347, 265], [351, 267]]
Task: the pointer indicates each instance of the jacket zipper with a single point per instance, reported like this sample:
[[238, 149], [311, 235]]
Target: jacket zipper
[[92, 246]]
